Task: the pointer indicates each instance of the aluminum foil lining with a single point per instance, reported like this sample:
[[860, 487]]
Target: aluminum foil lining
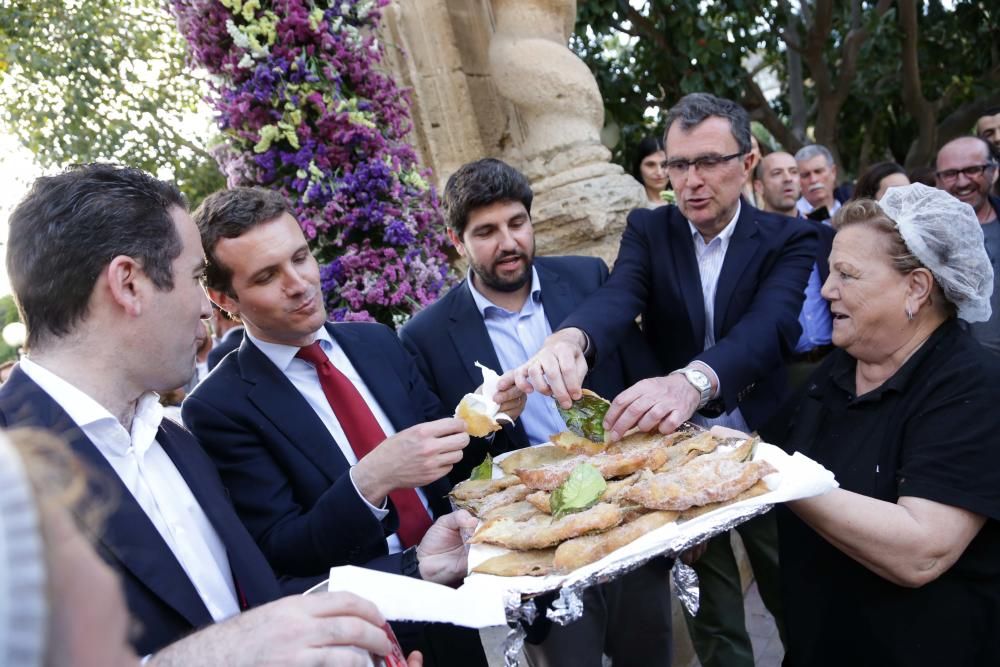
[[568, 607], [519, 614]]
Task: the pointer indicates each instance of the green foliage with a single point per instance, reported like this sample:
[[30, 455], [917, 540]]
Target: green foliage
[[646, 55], [581, 490], [86, 80], [8, 314]]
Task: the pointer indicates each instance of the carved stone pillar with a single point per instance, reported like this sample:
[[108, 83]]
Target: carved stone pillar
[[581, 198], [495, 78]]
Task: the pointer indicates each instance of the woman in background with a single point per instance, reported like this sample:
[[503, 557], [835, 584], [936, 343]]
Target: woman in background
[[878, 178], [649, 169]]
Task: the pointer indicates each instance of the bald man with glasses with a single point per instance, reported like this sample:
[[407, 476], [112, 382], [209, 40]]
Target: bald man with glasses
[[966, 169]]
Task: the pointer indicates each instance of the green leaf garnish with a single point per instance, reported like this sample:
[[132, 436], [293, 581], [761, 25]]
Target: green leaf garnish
[[586, 417], [582, 489], [484, 470]]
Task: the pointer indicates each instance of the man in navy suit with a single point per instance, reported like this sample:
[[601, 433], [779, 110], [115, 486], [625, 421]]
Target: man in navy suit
[[776, 182], [499, 317], [228, 336], [105, 264], [488, 210], [332, 447], [719, 286]]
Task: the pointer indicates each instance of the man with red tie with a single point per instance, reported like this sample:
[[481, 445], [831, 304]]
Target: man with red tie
[[332, 447]]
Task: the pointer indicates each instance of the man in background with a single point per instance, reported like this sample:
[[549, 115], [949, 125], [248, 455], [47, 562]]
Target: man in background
[[818, 178], [777, 184], [105, 265], [967, 170]]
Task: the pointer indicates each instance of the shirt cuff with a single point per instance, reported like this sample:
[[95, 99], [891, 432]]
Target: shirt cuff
[[380, 513]]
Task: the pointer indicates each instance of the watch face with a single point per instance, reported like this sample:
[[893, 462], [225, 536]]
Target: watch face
[[699, 380]]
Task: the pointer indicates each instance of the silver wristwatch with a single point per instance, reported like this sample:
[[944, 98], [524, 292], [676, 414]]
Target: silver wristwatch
[[699, 380]]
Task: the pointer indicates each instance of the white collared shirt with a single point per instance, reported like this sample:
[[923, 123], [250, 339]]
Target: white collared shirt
[[303, 376], [154, 481], [711, 257], [805, 208]]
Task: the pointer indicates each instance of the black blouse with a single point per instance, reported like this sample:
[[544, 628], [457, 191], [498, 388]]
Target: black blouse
[[931, 431]]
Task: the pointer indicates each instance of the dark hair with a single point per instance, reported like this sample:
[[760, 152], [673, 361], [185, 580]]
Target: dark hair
[[228, 214], [923, 175], [69, 227], [695, 108], [868, 183], [649, 145], [481, 183]]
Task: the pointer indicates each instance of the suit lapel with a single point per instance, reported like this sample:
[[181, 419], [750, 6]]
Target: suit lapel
[[472, 342], [688, 275], [556, 298], [245, 560], [278, 400], [742, 247], [468, 335], [379, 375], [127, 534]]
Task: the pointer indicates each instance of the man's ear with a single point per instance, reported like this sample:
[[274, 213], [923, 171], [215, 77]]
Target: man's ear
[[227, 303], [127, 283], [457, 242]]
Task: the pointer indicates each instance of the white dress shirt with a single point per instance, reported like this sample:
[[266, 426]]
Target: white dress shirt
[[711, 257], [155, 483], [303, 376]]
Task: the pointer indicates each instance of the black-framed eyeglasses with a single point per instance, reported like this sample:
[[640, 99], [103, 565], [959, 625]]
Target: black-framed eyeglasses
[[704, 164], [971, 171]]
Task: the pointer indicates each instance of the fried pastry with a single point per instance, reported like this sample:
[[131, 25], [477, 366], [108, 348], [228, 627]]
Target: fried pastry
[[543, 531], [532, 457], [482, 506], [474, 489], [580, 551], [517, 511], [640, 450], [687, 449], [703, 481], [614, 492], [571, 443], [534, 563], [758, 489]]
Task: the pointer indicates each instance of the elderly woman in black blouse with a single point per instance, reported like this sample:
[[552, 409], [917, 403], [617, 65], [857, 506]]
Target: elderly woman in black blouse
[[901, 564]]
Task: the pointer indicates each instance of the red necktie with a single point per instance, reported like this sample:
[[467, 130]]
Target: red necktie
[[364, 434]]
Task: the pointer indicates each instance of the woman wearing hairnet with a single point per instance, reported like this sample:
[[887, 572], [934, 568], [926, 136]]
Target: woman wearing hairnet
[[901, 564]]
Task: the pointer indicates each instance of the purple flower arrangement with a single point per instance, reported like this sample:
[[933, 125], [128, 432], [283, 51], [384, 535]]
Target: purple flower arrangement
[[307, 110]]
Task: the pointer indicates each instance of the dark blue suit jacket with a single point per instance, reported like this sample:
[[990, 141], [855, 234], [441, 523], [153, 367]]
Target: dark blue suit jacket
[[448, 337], [823, 247], [230, 341], [158, 592], [284, 471], [760, 293]]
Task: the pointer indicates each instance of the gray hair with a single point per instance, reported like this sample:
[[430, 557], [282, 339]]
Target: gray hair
[[695, 108], [812, 150]]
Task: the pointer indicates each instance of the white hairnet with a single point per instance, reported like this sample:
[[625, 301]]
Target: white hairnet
[[23, 603], [945, 235]]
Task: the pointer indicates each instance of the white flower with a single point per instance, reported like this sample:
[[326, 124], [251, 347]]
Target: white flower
[[239, 38]]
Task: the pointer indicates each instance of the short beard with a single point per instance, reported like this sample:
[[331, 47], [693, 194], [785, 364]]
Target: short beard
[[491, 280]]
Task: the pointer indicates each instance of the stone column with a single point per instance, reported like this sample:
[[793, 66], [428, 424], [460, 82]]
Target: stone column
[[581, 198], [495, 78]]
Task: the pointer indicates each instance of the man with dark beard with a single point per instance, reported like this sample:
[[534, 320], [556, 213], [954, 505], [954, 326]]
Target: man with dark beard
[[500, 316]]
